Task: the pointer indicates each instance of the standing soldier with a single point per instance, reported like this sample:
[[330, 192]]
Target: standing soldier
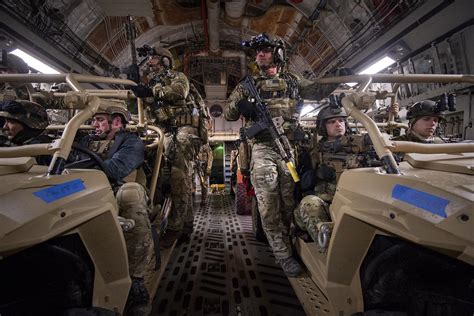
[[166, 98], [423, 119], [334, 153], [203, 167], [281, 91], [11, 64]]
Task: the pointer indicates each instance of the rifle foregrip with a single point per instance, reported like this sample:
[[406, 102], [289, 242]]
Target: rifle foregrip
[[293, 172]]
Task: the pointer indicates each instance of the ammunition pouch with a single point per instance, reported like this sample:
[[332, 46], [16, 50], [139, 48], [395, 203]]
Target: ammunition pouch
[[243, 159], [203, 131]]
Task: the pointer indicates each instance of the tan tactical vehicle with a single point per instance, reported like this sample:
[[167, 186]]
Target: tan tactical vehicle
[[401, 239], [62, 250]]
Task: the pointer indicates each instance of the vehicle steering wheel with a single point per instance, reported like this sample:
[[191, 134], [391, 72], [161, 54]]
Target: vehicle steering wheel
[[93, 160]]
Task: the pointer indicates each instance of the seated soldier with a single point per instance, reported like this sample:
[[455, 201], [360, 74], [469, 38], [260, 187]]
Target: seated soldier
[[122, 153], [336, 152], [424, 118], [25, 123]]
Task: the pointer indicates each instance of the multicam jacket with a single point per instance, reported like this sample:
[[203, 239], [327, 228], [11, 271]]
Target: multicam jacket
[[282, 93], [168, 106], [331, 158], [411, 136]]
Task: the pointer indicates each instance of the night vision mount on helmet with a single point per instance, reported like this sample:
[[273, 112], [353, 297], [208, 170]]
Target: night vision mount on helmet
[[166, 59], [432, 108], [263, 40]]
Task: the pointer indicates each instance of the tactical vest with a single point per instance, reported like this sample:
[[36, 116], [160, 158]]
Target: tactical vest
[[347, 152], [281, 96], [176, 114], [101, 147]]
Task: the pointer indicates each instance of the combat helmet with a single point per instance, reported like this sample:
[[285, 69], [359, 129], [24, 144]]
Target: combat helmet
[[13, 63], [166, 59], [263, 40], [112, 107], [326, 113], [424, 108], [30, 114]]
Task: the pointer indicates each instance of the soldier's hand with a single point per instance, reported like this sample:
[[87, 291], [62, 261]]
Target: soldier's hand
[[326, 173], [142, 91], [246, 108], [394, 109]]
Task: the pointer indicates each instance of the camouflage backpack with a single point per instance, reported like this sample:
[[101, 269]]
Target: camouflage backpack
[[204, 116]]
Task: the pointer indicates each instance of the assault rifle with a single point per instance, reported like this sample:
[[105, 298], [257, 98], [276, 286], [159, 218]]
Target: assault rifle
[[133, 70], [273, 125]]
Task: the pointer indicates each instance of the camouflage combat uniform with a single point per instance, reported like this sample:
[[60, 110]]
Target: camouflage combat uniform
[[270, 176], [203, 170], [176, 114], [331, 158], [33, 118], [416, 112], [411, 136]]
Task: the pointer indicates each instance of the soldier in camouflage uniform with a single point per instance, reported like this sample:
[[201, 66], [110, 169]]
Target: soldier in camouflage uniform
[[423, 119], [203, 170], [11, 64], [282, 92], [25, 123], [123, 153], [166, 97], [334, 153]]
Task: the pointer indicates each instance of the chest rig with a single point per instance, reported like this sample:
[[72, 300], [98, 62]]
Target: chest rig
[[280, 93], [101, 147], [347, 152], [173, 114]]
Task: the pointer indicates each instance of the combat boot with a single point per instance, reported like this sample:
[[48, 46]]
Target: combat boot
[[290, 266], [138, 302], [169, 238]]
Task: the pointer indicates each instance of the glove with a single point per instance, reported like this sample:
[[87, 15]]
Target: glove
[[142, 91], [308, 181], [326, 173], [394, 109], [246, 108]]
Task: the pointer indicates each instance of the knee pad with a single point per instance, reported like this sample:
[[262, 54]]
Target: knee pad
[[131, 193]]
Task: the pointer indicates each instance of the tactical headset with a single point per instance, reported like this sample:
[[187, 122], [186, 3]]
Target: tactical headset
[[148, 51], [262, 40]]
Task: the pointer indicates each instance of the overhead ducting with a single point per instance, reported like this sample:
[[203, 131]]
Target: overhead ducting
[[213, 7]]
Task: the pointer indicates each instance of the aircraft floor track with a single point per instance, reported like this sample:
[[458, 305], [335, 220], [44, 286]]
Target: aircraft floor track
[[223, 270]]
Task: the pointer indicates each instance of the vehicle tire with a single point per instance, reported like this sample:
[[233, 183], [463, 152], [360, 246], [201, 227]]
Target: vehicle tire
[[257, 222], [89, 311], [398, 276], [47, 279], [243, 202]]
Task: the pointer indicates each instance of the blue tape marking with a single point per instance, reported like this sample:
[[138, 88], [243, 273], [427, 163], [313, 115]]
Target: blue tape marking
[[428, 202], [60, 191]]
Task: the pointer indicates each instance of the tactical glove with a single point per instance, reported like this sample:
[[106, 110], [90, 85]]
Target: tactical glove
[[308, 180], [246, 108], [326, 173], [142, 91]]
